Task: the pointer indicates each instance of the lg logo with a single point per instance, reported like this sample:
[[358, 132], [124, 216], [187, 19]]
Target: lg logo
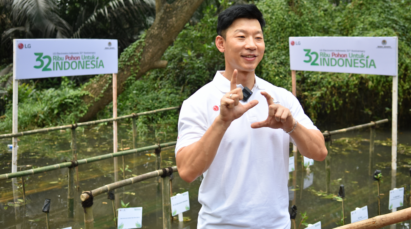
[[21, 46], [295, 43]]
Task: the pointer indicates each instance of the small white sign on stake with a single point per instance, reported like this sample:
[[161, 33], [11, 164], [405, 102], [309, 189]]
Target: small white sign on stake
[[308, 162], [317, 225], [359, 214], [396, 198], [291, 164], [130, 217], [67, 228], [180, 203]]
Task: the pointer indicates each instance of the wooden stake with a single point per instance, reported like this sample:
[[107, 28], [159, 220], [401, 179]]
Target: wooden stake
[[372, 133], [88, 218], [134, 133], [294, 82], [115, 137], [47, 221], [381, 221], [70, 194], [328, 168], [165, 188], [74, 154]]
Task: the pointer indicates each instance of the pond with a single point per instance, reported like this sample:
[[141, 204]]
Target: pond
[[313, 190]]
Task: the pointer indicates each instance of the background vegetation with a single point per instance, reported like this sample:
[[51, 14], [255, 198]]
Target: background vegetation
[[330, 99]]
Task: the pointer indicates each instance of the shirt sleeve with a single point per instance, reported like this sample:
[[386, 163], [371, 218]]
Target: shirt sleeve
[[192, 125]]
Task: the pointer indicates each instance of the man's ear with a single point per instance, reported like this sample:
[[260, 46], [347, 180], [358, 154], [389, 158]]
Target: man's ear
[[220, 43]]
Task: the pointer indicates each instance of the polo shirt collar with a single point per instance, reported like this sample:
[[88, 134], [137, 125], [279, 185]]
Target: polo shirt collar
[[223, 84]]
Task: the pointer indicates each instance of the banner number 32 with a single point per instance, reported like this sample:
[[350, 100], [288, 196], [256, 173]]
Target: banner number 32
[[310, 54], [39, 59]]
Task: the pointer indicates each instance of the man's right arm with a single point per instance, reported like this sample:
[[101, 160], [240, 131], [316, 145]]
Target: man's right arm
[[193, 160]]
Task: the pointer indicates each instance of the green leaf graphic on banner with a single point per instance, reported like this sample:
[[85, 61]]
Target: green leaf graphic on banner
[[175, 212], [390, 207], [401, 204], [120, 226], [138, 225], [187, 208]]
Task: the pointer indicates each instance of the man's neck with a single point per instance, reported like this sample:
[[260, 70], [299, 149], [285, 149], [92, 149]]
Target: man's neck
[[247, 79]]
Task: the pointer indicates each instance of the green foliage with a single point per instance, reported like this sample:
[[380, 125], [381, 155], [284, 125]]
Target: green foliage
[[124, 205], [361, 97], [304, 218], [46, 108], [378, 176]]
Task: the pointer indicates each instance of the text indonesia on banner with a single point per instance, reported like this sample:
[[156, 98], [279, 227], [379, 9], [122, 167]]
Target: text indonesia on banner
[[44, 58], [362, 55]]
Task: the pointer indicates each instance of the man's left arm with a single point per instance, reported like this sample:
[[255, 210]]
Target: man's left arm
[[310, 142]]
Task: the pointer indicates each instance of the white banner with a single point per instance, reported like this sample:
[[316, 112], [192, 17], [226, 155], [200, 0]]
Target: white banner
[[44, 58], [362, 55]]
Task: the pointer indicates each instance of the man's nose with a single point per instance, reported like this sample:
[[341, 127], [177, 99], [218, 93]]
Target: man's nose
[[250, 44]]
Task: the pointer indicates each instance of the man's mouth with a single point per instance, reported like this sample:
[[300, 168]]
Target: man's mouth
[[249, 57]]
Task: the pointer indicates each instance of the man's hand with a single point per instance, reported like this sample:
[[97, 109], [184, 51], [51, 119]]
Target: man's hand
[[278, 116], [231, 108]]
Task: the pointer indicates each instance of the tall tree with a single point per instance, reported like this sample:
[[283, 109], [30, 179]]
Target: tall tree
[[144, 55]]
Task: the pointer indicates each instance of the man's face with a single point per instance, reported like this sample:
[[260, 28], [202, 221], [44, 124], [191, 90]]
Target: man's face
[[243, 45]]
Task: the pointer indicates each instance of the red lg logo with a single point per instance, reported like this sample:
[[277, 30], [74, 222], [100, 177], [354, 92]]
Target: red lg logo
[[292, 43], [20, 46], [215, 108]]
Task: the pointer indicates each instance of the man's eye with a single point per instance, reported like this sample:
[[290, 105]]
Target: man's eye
[[241, 36]]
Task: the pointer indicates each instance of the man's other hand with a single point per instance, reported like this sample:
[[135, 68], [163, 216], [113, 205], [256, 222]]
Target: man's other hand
[[278, 116]]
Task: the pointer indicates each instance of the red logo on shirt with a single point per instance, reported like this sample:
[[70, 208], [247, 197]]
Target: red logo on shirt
[[215, 108]]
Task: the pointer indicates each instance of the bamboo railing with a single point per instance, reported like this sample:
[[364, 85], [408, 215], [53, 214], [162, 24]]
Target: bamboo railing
[[82, 161], [165, 189], [126, 152], [371, 124], [29, 132], [381, 221]]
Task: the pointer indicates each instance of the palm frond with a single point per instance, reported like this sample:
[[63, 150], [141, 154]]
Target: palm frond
[[115, 8], [42, 14]]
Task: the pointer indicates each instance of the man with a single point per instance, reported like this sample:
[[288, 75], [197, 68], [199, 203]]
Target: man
[[242, 148]]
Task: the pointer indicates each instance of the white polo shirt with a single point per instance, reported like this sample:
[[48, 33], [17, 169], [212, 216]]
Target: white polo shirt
[[246, 184]]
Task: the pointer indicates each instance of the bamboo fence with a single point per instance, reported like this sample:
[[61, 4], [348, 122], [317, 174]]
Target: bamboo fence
[[122, 183], [381, 221], [82, 161], [85, 123], [328, 133], [165, 189]]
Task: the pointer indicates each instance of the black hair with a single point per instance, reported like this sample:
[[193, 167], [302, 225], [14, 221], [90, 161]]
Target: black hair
[[228, 16]]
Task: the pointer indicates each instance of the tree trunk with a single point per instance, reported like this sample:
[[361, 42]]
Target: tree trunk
[[141, 57]]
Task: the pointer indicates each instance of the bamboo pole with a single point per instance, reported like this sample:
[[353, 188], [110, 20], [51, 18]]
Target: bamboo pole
[[294, 202], [165, 188], [74, 153], [372, 133], [328, 168], [81, 162], [381, 221], [30, 132], [85, 123], [122, 183], [356, 127], [47, 221], [70, 194], [115, 137], [88, 218], [134, 133]]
